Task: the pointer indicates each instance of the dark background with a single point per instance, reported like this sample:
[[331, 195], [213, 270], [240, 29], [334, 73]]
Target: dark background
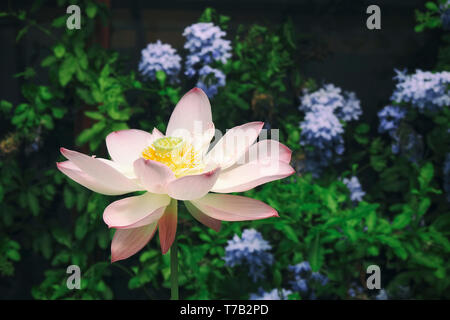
[[340, 50]]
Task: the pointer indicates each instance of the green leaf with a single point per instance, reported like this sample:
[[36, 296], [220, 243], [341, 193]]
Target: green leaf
[[371, 220], [66, 70], [316, 255], [59, 22], [80, 228], [33, 203], [45, 93], [58, 112], [88, 134], [91, 10], [69, 198], [59, 51], [22, 32], [47, 121], [432, 6], [425, 175], [161, 77], [401, 220], [48, 61], [13, 255], [85, 95], [61, 236], [94, 115], [290, 233], [5, 106]]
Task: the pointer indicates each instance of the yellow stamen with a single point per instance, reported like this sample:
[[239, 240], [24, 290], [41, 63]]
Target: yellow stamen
[[175, 153]]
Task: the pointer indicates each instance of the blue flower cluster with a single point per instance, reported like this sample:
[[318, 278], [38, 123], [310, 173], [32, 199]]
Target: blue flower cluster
[[424, 90], [356, 191], [271, 295], [250, 250], [210, 80], [158, 56], [390, 118], [405, 141], [206, 45], [322, 128], [345, 105], [303, 277], [446, 171]]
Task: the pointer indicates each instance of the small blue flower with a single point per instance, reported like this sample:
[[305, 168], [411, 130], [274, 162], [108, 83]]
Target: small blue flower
[[382, 295], [355, 290], [250, 250], [390, 118], [320, 278], [271, 295], [206, 45], [424, 90], [300, 267], [210, 80], [356, 191], [158, 56], [303, 277]]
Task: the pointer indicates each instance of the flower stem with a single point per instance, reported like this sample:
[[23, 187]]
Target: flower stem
[[174, 270]]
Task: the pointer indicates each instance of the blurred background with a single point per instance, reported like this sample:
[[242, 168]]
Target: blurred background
[[372, 164]]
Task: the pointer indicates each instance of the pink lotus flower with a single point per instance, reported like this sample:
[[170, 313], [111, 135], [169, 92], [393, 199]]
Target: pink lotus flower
[[178, 166]]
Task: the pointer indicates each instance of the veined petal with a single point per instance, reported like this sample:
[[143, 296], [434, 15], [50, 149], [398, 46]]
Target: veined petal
[[233, 208], [265, 152], [77, 175], [251, 175], [193, 112], [203, 218], [193, 186], [168, 226], [234, 144], [126, 146], [101, 171], [127, 242], [153, 175], [135, 211]]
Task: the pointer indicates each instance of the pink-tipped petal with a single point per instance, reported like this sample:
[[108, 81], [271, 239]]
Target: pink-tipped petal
[[251, 175], [74, 173], [233, 208], [100, 171], [203, 218], [194, 186], [266, 151], [168, 226], [135, 211], [153, 175], [156, 134], [126, 146], [234, 144], [127, 242], [193, 110]]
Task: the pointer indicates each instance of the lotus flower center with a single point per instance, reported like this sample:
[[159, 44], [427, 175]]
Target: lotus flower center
[[179, 155]]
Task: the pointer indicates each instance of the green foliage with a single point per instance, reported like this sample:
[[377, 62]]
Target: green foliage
[[431, 18]]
